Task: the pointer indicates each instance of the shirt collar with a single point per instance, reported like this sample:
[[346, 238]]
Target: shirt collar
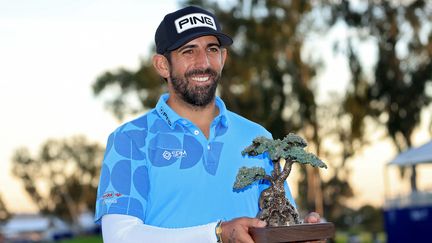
[[171, 117], [223, 117]]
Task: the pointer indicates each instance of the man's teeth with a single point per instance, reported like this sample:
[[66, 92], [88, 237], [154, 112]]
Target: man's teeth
[[200, 79]]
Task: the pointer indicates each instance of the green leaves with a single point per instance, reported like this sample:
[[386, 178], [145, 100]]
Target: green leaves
[[298, 155], [259, 146], [247, 176], [290, 148], [294, 140]]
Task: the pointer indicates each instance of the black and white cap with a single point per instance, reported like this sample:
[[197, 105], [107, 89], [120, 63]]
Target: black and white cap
[[186, 24]]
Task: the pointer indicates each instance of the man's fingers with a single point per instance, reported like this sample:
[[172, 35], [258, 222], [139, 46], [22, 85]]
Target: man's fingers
[[254, 222], [312, 217], [237, 230]]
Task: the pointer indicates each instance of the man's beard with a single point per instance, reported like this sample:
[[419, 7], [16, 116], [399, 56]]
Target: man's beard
[[196, 95]]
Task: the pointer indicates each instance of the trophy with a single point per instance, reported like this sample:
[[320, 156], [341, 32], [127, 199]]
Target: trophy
[[283, 224]]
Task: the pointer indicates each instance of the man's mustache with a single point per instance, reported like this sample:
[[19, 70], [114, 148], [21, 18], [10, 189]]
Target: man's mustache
[[207, 71]]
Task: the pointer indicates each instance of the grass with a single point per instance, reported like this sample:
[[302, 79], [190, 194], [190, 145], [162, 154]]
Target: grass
[[362, 237], [84, 239]]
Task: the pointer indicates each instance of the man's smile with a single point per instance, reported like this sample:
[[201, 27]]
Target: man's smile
[[200, 78]]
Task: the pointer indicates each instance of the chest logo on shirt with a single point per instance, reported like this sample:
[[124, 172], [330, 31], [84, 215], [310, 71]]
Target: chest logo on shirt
[[176, 154], [166, 149]]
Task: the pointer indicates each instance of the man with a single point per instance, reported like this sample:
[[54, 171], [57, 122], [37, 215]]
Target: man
[[168, 175]]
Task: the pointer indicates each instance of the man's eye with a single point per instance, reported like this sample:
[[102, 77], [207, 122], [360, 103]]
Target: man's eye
[[214, 49], [187, 52]]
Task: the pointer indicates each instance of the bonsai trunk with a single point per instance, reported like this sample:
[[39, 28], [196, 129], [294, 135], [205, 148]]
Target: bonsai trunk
[[276, 210]]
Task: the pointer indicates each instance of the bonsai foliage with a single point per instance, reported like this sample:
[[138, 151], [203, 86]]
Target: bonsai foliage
[[275, 209]]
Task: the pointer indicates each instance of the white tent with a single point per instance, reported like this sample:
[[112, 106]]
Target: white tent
[[413, 156]]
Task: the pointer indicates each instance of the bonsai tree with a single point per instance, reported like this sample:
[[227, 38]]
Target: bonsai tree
[[275, 209]]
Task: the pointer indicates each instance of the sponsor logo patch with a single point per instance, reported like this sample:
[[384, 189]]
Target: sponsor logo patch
[[193, 21], [110, 197], [176, 154]]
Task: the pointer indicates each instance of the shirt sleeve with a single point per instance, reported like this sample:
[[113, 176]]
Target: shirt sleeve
[[130, 229], [124, 181]]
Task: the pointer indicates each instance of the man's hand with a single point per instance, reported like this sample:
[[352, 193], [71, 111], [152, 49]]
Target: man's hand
[[312, 218], [237, 230]]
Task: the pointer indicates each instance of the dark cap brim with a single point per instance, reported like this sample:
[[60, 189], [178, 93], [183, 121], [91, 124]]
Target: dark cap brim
[[224, 40]]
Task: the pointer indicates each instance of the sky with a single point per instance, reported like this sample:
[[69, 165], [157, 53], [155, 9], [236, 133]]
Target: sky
[[51, 51]]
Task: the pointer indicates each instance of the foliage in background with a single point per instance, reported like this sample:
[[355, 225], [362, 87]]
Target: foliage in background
[[396, 92], [130, 92], [4, 213], [62, 178], [398, 88]]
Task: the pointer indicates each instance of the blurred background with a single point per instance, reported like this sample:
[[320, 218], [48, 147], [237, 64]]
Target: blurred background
[[354, 78]]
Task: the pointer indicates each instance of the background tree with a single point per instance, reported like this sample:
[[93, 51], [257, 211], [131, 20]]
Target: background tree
[[395, 91], [365, 219], [130, 91], [62, 178], [4, 213]]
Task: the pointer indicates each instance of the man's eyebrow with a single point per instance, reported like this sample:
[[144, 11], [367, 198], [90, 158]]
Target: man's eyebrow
[[194, 46], [186, 47], [214, 44]]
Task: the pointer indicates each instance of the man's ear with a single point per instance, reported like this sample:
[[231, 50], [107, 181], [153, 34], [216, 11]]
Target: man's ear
[[160, 63]]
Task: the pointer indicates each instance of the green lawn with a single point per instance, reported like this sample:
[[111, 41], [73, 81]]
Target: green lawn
[[84, 239], [363, 237]]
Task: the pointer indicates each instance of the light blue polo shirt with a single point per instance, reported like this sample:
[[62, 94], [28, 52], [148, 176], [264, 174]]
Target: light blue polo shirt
[[162, 169]]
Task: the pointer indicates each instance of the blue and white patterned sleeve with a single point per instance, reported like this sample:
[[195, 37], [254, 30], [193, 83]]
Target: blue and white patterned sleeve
[[124, 181]]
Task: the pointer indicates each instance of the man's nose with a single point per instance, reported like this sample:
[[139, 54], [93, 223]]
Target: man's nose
[[202, 60]]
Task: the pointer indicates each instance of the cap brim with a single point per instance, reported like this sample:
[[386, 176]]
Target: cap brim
[[224, 40]]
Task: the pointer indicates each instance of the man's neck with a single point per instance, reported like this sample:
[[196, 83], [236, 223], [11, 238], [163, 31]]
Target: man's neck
[[201, 116]]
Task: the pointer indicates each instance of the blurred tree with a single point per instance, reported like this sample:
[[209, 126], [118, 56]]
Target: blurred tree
[[336, 209], [366, 219], [62, 179], [371, 219], [4, 213], [397, 91], [130, 92]]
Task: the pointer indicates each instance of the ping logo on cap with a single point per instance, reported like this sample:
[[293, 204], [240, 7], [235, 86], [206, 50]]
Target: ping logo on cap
[[194, 20]]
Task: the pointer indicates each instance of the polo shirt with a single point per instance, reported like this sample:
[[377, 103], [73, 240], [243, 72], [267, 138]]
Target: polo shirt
[[162, 169]]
